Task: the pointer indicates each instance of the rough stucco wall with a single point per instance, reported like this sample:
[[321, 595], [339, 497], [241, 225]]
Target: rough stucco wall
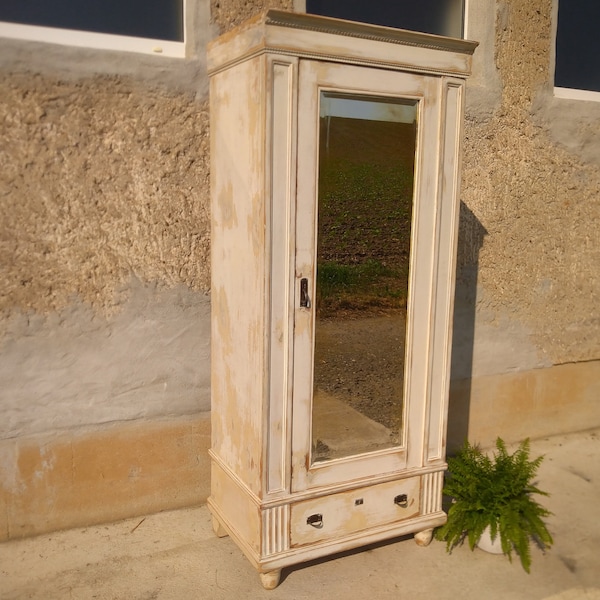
[[101, 179], [230, 13], [104, 252], [534, 213]]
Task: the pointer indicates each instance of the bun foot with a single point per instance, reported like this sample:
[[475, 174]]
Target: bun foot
[[218, 528], [423, 538], [271, 579]]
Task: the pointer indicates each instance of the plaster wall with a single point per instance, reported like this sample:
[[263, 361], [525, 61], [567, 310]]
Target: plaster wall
[[74, 369], [105, 252], [104, 263], [528, 253]]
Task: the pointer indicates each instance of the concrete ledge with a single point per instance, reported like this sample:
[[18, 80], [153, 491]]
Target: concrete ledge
[[536, 403], [84, 478]]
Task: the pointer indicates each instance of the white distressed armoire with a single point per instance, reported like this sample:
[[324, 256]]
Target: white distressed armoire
[[335, 160]]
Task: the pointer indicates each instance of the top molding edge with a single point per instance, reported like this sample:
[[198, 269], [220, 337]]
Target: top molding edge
[[366, 31], [303, 35]]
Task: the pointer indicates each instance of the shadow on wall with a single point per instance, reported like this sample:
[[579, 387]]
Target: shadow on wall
[[470, 240]]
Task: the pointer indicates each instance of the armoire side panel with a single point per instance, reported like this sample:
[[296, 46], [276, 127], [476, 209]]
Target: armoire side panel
[[238, 269]]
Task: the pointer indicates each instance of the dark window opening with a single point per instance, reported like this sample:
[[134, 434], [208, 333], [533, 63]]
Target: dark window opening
[[154, 19], [441, 17], [578, 45]]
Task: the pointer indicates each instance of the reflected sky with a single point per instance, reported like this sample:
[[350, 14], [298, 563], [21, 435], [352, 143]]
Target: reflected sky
[[372, 109]]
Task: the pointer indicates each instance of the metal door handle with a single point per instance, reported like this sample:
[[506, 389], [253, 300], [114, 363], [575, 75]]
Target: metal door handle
[[304, 299]]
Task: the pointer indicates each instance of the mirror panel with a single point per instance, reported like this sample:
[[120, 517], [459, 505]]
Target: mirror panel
[[367, 148]]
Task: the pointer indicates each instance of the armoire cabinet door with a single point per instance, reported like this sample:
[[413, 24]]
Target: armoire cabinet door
[[366, 210]]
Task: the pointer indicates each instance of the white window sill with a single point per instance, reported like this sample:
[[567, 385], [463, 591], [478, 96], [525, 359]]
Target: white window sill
[[86, 39], [573, 94]]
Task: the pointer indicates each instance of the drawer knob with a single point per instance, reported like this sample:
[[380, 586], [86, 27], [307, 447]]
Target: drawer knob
[[401, 500], [315, 520]]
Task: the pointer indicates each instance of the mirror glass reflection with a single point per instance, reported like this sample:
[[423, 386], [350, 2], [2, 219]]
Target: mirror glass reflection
[[367, 149]]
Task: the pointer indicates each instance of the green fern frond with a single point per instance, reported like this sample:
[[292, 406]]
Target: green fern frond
[[496, 492]]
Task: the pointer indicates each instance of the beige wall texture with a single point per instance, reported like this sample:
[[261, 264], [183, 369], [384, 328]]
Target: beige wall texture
[[536, 199], [103, 179], [528, 282], [104, 265]]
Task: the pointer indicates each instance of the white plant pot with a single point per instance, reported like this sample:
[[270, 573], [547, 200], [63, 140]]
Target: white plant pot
[[485, 542]]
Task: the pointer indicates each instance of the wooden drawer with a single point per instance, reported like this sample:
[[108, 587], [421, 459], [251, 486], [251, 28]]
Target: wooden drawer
[[345, 513]]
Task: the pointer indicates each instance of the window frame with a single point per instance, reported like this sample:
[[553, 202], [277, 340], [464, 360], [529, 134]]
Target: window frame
[[576, 94], [97, 41], [564, 93]]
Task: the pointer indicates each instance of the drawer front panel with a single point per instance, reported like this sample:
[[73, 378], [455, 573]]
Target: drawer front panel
[[345, 513]]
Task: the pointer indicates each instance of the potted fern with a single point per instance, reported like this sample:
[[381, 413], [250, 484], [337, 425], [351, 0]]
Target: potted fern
[[495, 493]]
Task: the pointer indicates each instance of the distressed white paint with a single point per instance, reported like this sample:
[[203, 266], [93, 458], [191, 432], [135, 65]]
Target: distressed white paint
[[444, 275], [264, 118], [425, 89], [281, 211], [353, 511], [308, 36]]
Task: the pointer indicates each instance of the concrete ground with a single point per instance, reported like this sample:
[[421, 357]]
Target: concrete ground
[[175, 555]]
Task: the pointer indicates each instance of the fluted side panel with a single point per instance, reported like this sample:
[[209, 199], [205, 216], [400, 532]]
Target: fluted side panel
[[432, 492], [275, 530]]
